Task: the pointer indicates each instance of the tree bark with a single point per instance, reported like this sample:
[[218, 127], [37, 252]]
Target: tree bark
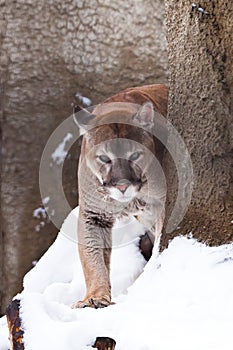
[[15, 326], [200, 51]]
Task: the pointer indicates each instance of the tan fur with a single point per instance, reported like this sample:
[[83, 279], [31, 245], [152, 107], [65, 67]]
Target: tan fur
[[98, 210]]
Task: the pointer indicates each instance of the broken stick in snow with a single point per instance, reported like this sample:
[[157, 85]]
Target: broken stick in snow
[[14, 325], [104, 343]]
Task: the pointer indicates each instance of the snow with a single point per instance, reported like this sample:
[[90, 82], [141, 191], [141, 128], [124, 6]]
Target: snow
[[4, 341], [59, 155], [39, 213], [45, 200], [182, 299], [200, 9], [84, 100]]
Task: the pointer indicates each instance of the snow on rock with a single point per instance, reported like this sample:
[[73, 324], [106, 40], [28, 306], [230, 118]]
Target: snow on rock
[[84, 100], [39, 213], [59, 155], [45, 200], [182, 299]]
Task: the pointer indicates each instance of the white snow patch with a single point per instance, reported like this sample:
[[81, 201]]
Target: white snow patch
[[4, 341], [200, 9], [182, 300], [39, 213], [59, 155], [52, 212], [45, 200], [84, 100], [37, 228]]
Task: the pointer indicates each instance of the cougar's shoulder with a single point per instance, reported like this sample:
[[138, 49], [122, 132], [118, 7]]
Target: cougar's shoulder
[[156, 93]]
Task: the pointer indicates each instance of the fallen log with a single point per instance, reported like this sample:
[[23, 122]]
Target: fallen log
[[14, 325], [104, 343], [16, 332]]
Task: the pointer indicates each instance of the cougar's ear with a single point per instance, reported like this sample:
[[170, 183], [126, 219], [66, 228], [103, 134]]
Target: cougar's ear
[[82, 118], [145, 115]]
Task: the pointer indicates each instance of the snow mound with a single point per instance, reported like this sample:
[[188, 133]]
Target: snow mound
[[4, 341], [182, 299]]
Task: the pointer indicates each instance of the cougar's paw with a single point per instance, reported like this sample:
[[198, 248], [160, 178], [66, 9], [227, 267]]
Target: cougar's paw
[[94, 302], [146, 245]]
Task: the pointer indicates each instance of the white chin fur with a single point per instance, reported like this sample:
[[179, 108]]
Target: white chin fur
[[116, 194]]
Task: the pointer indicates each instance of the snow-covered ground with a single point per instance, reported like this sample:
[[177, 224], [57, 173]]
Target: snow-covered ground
[[181, 300]]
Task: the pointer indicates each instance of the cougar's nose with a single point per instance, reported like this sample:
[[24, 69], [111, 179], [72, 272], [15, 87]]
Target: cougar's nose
[[122, 185]]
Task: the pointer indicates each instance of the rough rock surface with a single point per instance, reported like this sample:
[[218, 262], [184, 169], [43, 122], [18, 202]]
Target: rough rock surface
[[200, 51]]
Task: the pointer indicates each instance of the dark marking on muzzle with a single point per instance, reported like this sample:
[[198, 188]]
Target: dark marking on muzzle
[[122, 174]]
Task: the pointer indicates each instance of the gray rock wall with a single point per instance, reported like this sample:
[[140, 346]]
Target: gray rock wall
[[200, 51]]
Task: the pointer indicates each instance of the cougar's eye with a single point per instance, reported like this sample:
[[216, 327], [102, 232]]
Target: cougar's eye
[[134, 156], [105, 159]]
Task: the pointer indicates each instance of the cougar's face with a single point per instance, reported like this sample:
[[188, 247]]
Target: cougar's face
[[118, 155]]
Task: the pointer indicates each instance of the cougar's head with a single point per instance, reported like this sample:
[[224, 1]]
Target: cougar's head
[[118, 147]]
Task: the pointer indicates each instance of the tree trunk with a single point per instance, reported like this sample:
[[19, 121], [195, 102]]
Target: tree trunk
[[200, 51]]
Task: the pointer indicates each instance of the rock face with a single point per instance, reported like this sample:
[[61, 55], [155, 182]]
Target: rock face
[[51, 50], [200, 50]]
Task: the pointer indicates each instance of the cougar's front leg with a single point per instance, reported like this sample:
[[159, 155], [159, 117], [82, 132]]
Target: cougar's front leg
[[94, 236], [153, 221]]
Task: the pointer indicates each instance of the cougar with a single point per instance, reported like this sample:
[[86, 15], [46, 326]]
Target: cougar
[[119, 175]]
